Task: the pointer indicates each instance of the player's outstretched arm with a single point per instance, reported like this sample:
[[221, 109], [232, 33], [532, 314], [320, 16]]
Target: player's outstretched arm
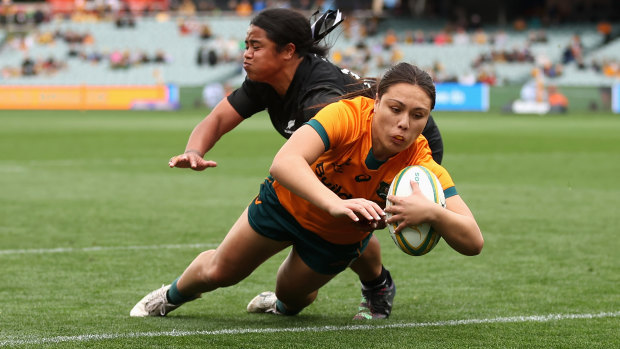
[[222, 119], [456, 224], [458, 227], [291, 167]]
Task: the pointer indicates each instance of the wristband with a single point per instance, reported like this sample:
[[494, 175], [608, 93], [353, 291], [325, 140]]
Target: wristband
[[193, 151]]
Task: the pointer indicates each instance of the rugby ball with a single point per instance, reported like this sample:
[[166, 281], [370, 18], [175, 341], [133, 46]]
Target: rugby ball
[[420, 239]]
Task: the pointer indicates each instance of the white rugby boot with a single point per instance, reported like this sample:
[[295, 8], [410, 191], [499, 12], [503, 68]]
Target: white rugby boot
[[264, 303], [153, 304]]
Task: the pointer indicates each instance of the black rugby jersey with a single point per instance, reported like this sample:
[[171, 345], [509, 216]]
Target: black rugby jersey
[[316, 82]]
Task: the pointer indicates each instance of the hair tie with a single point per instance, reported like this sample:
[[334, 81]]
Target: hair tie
[[326, 22]]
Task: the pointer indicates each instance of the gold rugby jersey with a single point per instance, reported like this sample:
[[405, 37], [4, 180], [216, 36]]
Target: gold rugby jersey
[[350, 170]]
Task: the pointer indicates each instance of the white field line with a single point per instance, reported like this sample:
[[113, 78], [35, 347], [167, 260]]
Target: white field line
[[104, 248], [241, 331]]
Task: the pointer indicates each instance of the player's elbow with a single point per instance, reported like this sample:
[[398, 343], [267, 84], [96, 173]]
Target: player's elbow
[[277, 168], [474, 247]]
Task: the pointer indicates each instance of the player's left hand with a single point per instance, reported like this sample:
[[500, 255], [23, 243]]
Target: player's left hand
[[410, 210], [191, 160], [360, 210]]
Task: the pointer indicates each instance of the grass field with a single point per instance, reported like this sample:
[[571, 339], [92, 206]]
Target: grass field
[[92, 219]]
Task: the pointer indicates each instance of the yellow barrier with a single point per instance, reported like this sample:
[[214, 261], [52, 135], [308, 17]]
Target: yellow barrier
[[86, 97]]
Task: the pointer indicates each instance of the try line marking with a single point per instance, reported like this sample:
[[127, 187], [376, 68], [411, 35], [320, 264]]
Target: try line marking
[[102, 248], [240, 331]]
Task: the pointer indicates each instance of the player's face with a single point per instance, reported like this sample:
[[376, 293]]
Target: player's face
[[400, 117], [261, 60]]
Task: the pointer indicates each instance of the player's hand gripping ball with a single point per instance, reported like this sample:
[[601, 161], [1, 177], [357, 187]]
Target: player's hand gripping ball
[[420, 239]]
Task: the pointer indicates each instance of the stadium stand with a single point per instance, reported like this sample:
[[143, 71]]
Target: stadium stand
[[195, 50], [91, 63]]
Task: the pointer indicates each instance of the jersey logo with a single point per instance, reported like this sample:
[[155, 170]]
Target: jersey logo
[[290, 128], [339, 167], [362, 178], [383, 189], [319, 171]]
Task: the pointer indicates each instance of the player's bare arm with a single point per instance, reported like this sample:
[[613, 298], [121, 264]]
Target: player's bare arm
[[456, 224], [291, 168], [222, 119]]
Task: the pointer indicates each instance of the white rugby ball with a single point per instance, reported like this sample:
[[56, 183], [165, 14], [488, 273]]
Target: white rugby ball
[[420, 239]]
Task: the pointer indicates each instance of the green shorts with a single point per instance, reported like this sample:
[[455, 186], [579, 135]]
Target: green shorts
[[267, 216]]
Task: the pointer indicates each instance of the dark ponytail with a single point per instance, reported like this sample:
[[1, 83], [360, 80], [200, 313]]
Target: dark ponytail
[[284, 26]]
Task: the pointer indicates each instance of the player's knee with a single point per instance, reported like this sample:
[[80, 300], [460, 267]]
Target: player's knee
[[216, 273], [222, 277]]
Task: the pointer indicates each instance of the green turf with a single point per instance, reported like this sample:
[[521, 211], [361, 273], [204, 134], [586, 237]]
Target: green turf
[[96, 186]]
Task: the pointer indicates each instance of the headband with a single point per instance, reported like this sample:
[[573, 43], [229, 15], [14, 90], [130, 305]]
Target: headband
[[326, 22]]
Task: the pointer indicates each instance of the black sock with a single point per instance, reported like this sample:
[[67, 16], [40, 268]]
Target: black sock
[[385, 279]]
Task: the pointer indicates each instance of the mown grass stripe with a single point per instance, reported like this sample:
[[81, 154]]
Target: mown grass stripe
[[103, 248], [237, 331]]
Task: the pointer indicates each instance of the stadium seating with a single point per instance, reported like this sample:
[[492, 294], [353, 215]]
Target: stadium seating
[[150, 36]]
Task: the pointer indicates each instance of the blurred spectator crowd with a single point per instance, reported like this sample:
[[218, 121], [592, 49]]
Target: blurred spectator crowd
[[369, 47]]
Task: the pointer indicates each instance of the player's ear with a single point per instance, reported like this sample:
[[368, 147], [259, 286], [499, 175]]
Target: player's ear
[[290, 49]]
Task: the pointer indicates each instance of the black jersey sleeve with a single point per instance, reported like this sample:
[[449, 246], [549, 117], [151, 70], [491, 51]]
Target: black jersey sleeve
[[433, 136], [247, 99]]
